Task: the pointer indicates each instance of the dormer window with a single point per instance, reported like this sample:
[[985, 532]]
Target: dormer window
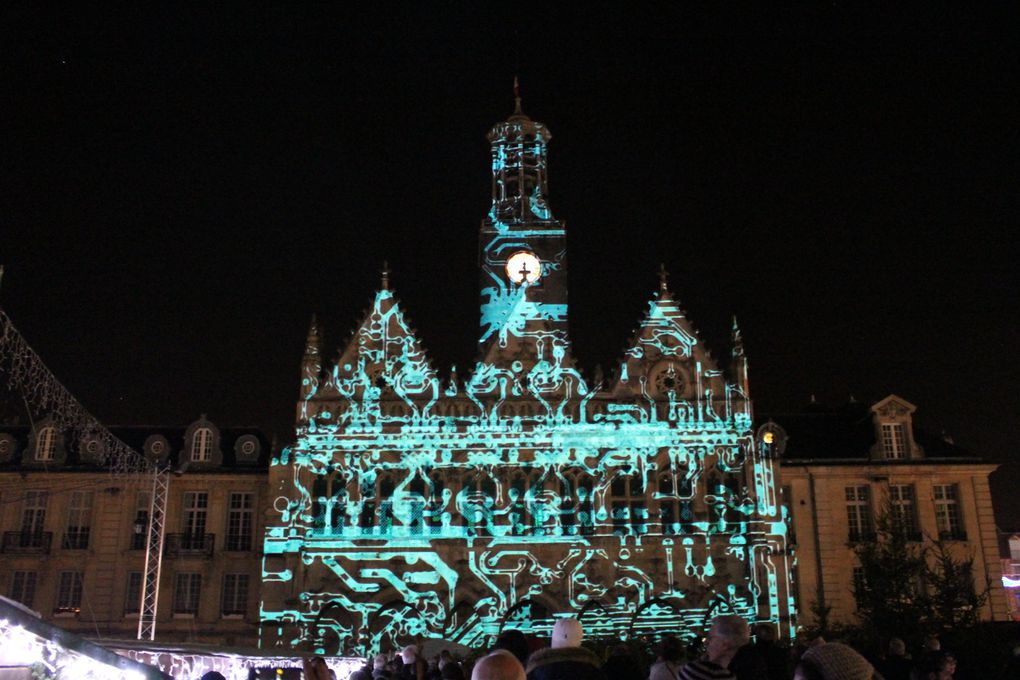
[[894, 441], [46, 444], [201, 445]]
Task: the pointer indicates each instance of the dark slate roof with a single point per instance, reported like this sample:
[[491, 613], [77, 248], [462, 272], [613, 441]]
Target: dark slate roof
[[135, 437], [846, 432]]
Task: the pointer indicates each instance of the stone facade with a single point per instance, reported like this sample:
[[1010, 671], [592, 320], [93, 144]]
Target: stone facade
[[419, 506], [844, 467], [73, 535]]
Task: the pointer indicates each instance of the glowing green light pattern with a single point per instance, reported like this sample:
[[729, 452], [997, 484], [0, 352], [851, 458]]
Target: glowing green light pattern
[[409, 510], [411, 507]]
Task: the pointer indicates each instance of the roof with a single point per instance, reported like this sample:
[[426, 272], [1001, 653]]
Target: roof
[[847, 432], [136, 437]]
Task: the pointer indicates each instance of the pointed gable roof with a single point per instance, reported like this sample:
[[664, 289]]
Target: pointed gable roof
[[665, 333], [385, 353]]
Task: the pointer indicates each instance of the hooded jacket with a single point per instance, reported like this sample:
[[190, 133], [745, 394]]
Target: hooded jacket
[[565, 663]]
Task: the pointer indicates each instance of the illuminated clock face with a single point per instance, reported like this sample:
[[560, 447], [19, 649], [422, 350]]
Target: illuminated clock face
[[524, 267]]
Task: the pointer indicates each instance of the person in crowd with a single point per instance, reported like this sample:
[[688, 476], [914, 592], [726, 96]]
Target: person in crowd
[[360, 674], [727, 634], [315, 668], [213, 675], [936, 666], [621, 665], [452, 671], [1012, 669], [749, 664], [566, 658], [500, 665], [833, 661], [671, 658], [776, 656], [379, 669], [514, 642], [896, 665], [413, 667]]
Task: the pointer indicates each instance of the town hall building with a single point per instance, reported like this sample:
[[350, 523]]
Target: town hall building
[[415, 506]]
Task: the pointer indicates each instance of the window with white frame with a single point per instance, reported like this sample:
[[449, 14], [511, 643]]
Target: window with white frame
[[904, 512], [858, 513], [196, 507], [23, 587], [140, 523], [239, 522], [894, 441], [235, 595], [33, 514], [79, 519], [201, 445], [69, 592], [187, 589], [46, 443], [947, 512]]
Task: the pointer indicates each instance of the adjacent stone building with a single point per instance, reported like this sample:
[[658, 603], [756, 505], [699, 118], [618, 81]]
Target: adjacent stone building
[[843, 468], [74, 536]]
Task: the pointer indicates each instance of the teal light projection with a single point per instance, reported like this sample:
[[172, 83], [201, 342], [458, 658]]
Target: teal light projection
[[414, 506]]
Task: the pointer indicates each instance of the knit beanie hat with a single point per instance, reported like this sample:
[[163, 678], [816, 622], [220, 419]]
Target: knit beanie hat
[[835, 661], [567, 633], [409, 654], [379, 662]]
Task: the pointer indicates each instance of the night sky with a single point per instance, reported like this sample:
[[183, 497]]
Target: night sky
[[182, 187]]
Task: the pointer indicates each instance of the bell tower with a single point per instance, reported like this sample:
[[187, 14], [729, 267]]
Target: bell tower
[[522, 250]]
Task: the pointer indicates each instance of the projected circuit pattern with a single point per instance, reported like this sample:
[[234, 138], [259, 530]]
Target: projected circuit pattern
[[415, 507]]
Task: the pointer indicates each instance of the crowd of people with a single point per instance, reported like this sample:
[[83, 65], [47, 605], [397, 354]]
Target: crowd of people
[[726, 653]]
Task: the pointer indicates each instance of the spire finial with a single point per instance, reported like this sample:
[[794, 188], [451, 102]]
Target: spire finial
[[663, 278], [385, 271], [738, 340], [517, 97]]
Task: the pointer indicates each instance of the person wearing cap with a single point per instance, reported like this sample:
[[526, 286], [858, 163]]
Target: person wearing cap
[[566, 658], [833, 661], [727, 634]]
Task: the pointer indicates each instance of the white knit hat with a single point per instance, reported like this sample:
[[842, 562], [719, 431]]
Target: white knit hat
[[567, 633], [409, 654]]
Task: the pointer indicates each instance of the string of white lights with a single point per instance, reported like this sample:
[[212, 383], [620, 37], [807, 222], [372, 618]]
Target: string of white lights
[[25, 373]]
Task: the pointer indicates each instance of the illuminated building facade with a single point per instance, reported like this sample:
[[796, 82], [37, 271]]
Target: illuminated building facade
[[72, 535], [416, 506], [842, 468]]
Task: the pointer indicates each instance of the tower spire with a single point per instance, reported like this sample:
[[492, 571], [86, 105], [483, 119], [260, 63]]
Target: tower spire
[[663, 280], [385, 273], [517, 97]]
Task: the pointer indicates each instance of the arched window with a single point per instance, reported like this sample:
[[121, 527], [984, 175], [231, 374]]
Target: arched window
[[46, 443], [201, 445]]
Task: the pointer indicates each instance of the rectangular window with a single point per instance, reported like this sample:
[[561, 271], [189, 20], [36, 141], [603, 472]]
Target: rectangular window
[[947, 512], [186, 593], [894, 441], [235, 595], [239, 516], [858, 513], [79, 519], [196, 505], [904, 515], [140, 525], [23, 587], [628, 510], [69, 593], [133, 596], [33, 516]]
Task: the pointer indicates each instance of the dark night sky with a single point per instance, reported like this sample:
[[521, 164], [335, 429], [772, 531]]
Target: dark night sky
[[181, 187]]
